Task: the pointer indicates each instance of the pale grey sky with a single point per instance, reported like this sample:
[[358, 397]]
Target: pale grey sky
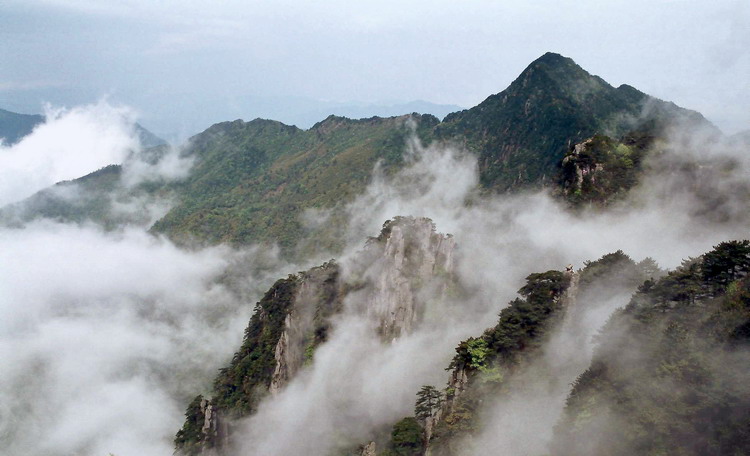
[[186, 64]]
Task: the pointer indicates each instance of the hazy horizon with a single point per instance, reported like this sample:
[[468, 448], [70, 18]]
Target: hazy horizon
[[183, 66]]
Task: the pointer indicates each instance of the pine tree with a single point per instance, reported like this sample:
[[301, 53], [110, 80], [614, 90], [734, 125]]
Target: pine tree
[[429, 400]]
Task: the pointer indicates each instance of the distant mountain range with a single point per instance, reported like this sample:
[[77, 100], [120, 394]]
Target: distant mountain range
[[14, 126]]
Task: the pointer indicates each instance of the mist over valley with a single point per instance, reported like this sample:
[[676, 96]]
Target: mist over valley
[[559, 269]]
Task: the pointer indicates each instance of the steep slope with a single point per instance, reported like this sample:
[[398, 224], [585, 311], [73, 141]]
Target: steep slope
[[522, 133], [601, 170], [87, 198], [294, 317], [102, 197], [670, 375], [511, 363]]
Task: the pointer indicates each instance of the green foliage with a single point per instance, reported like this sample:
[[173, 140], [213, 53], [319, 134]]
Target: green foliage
[[461, 419], [253, 181], [667, 376], [521, 329], [679, 287], [620, 268], [406, 439], [524, 321], [428, 402], [477, 352], [522, 133], [506, 350], [239, 387], [726, 263], [97, 189], [190, 435], [601, 170]]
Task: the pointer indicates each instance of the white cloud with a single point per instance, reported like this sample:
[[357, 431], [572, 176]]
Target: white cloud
[[69, 144], [106, 336]]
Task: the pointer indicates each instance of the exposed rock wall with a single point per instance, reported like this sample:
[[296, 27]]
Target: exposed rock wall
[[287, 354], [581, 167], [317, 294], [214, 429], [409, 256], [568, 299], [395, 269], [369, 450]]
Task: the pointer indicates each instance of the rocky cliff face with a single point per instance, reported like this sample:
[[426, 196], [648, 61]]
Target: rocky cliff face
[[409, 256], [214, 429], [580, 168], [391, 275], [488, 365], [602, 169], [288, 353], [291, 319], [369, 449], [317, 298]]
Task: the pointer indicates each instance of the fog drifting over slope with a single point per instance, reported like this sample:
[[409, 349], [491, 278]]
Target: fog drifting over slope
[[69, 144], [106, 336], [358, 386]]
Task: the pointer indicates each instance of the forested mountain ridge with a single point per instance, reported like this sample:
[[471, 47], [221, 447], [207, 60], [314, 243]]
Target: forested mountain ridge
[[510, 362], [670, 374], [253, 181], [522, 133], [349, 358], [686, 327]]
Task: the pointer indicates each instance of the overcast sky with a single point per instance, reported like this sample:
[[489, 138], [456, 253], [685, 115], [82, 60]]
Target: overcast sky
[[184, 63]]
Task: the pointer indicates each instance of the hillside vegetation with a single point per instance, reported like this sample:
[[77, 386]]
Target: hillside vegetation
[[254, 181], [670, 374]]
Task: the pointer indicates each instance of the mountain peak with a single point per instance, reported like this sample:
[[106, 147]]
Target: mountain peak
[[560, 69], [552, 58]]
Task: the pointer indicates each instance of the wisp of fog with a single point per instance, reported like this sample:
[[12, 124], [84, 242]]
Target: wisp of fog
[[358, 385]]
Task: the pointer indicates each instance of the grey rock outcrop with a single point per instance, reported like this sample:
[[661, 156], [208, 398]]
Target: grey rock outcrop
[[317, 294], [395, 278], [409, 258], [369, 450]]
